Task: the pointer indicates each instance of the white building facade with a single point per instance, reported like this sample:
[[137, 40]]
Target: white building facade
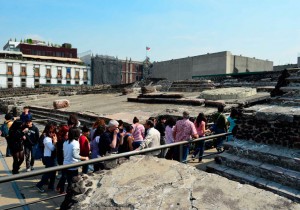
[[29, 73]]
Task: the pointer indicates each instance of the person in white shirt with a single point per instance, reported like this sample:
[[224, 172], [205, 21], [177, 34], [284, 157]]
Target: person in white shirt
[[71, 155], [49, 159], [152, 138]]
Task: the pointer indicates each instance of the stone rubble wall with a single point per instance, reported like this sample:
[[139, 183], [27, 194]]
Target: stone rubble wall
[[270, 128]]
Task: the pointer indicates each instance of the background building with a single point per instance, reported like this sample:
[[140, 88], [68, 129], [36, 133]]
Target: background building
[[209, 64], [18, 70], [111, 70]]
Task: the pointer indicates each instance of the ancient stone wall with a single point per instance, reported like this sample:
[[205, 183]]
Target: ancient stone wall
[[276, 127]]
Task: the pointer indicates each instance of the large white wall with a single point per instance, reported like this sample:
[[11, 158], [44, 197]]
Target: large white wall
[[31, 65], [208, 64]]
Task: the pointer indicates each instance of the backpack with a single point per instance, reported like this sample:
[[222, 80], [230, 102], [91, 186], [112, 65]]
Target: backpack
[[4, 129], [39, 148]]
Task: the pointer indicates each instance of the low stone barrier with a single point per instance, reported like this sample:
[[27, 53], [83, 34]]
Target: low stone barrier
[[271, 125]]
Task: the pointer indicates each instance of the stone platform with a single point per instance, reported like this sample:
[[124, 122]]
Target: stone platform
[[146, 182], [228, 93]]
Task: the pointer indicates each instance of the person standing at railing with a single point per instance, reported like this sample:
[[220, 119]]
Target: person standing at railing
[[220, 126], [49, 158], [231, 120], [95, 145], [84, 146], [170, 123], [161, 127], [152, 138], [71, 155], [200, 124], [138, 133], [184, 130]]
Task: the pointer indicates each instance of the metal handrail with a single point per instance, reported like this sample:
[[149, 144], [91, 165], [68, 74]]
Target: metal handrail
[[105, 158]]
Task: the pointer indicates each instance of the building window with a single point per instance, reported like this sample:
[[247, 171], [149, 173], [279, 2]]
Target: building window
[[9, 70], [85, 83], [59, 74], [76, 82], [23, 85], [68, 73], [36, 80], [48, 73], [85, 75], [68, 82], [36, 72], [9, 85], [9, 79], [23, 71], [77, 75], [23, 80], [58, 81], [48, 81]]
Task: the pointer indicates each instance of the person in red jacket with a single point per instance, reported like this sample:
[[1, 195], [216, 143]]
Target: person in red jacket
[[84, 145]]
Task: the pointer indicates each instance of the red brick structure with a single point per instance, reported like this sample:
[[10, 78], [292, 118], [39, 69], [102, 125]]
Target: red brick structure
[[131, 71]]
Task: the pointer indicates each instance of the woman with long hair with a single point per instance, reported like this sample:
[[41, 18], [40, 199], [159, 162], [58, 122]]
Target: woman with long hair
[[71, 155], [138, 133], [169, 136], [49, 158], [200, 124], [97, 123], [95, 145]]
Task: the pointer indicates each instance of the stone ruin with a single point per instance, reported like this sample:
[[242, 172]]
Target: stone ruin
[[266, 150], [146, 182]]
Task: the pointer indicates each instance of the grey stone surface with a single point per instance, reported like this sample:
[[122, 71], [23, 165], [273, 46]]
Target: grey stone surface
[[228, 93], [149, 183]]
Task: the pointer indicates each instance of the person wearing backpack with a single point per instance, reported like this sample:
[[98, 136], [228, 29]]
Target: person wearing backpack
[[220, 126], [32, 137], [9, 119]]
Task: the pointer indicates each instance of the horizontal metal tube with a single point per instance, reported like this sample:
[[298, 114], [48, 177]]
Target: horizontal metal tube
[[105, 158]]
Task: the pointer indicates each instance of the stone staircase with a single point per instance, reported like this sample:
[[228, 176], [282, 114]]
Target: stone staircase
[[61, 116], [192, 85], [273, 168]]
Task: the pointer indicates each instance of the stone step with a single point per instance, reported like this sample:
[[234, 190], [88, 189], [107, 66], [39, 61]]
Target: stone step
[[60, 115], [276, 155], [189, 89], [59, 118], [245, 178], [287, 89], [260, 169], [293, 79], [193, 85]]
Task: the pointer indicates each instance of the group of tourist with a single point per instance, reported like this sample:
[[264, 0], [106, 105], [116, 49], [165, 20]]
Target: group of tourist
[[21, 136], [69, 143]]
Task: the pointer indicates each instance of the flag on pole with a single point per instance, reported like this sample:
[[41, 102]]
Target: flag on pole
[[148, 48]]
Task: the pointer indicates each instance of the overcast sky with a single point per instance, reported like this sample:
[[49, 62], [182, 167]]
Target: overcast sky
[[265, 29]]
